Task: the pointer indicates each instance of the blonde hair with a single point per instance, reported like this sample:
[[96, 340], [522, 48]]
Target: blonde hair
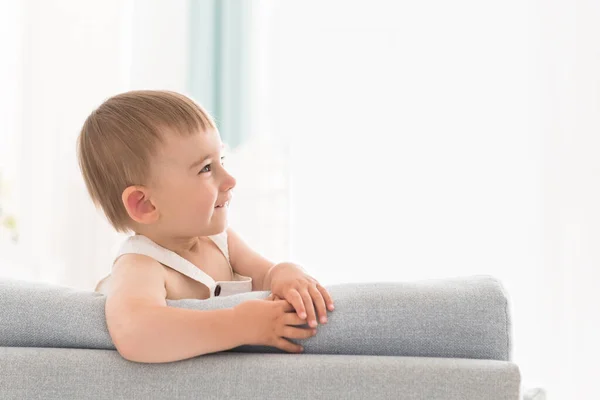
[[118, 139]]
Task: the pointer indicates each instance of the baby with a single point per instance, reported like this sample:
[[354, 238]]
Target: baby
[[152, 161]]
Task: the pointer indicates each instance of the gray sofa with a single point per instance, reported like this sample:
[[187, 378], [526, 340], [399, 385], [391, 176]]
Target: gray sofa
[[430, 339]]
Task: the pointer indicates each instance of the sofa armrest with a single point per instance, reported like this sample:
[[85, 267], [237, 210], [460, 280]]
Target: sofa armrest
[[463, 317]]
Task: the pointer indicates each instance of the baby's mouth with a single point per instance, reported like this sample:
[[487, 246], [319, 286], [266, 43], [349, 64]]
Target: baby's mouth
[[226, 204]]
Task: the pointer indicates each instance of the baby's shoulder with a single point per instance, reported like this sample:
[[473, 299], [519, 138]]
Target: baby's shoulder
[[131, 266]]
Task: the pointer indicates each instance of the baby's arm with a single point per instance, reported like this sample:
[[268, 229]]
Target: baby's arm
[[144, 329], [287, 281]]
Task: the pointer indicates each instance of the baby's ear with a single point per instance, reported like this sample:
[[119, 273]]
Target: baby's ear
[[138, 205]]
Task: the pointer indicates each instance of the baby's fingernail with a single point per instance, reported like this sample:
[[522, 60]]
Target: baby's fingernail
[[323, 320], [303, 315], [313, 323]]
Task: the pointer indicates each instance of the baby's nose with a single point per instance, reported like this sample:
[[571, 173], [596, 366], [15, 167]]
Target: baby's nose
[[229, 182]]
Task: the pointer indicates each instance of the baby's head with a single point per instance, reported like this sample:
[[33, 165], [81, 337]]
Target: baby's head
[[151, 160]]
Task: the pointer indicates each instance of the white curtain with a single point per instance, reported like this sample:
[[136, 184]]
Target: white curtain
[[68, 56]]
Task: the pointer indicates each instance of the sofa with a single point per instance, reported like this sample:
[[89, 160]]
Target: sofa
[[429, 339]]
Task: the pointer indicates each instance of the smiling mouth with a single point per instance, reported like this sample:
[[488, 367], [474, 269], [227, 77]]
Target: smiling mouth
[[226, 204]]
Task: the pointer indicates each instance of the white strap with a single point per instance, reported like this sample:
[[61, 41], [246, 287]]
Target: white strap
[[139, 244], [220, 240]]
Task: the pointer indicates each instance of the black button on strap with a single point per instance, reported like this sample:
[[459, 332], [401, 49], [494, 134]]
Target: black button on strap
[[218, 290]]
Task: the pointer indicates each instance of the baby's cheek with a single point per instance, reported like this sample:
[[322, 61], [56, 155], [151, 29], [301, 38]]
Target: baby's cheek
[[205, 206]]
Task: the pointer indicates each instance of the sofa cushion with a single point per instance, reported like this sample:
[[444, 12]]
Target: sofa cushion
[[103, 374], [465, 317]]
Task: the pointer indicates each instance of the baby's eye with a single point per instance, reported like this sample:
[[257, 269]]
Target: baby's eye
[[208, 167]]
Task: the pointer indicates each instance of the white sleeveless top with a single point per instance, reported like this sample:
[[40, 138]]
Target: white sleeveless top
[[139, 244]]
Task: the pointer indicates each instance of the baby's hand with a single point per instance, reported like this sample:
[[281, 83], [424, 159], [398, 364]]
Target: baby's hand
[[303, 292]]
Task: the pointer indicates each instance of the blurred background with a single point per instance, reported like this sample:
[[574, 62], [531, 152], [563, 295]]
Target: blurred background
[[371, 141]]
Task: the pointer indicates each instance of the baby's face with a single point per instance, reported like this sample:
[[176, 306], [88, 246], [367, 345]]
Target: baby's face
[[190, 186]]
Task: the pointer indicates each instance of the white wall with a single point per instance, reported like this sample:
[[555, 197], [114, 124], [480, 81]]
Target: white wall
[[434, 139], [568, 80]]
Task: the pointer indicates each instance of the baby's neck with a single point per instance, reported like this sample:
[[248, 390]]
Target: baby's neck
[[179, 245]]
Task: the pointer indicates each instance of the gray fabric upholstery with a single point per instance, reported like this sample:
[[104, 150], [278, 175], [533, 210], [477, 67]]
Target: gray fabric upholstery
[[46, 373], [463, 317]]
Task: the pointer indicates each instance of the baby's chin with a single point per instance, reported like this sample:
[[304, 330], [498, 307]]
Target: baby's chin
[[214, 229]]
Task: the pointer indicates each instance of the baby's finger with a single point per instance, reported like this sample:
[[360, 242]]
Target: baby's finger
[[293, 319], [319, 303], [288, 346], [310, 309], [292, 332], [296, 300], [326, 297], [287, 307]]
